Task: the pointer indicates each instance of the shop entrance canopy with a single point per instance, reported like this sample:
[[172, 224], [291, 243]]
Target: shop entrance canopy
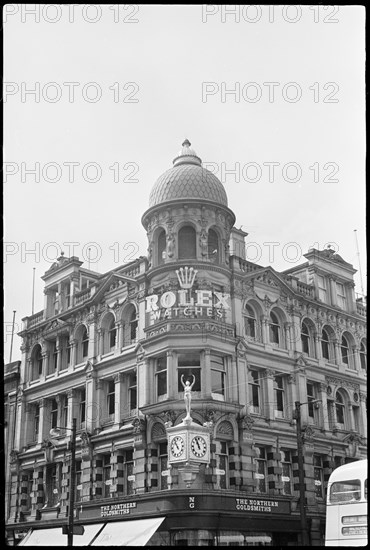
[[122, 533], [128, 533]]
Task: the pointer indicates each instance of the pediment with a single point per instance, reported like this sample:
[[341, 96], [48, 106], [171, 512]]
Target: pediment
[[268, 283], [56, 326]]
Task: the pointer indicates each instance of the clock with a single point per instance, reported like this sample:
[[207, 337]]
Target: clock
[[177, 446], [198, 446]]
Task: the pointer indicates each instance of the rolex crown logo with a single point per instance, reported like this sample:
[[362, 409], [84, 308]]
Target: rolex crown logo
[[186, 276]]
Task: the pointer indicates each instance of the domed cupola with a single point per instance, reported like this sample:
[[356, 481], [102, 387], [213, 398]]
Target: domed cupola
[[188, 217], [187, 179]]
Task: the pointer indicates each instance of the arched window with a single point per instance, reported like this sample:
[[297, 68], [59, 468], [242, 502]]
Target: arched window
[[326, 345], [187, 242], [305, 338], [82, 341], [85, 344], [112, 334], [213, 246], [274, 329], [161, 247], [250, 322], [340, 410], [344, 348], [363, 356], [36, 362], [130, 325]]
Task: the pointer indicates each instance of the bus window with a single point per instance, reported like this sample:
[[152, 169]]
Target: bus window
[[345, 491]]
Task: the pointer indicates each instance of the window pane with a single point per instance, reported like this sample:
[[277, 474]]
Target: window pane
[[218, 382], [188, 375], [345, 491]]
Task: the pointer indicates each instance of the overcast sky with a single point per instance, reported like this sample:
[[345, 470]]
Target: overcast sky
[[116, 89]]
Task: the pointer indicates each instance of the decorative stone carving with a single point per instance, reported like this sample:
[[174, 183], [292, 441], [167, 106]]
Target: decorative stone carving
[[246, 423], [139, 425]]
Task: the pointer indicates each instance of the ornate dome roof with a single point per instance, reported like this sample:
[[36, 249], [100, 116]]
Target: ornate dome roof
[[187, 179]]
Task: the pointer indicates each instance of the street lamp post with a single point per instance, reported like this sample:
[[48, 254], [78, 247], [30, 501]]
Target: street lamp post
[[72, 485], [71, 479], [302, 496]]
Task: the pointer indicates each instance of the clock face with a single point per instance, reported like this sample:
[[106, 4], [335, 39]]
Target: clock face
[[199, 446], [177, 446]]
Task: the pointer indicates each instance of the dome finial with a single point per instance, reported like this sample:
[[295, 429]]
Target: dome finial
[[187, 155]]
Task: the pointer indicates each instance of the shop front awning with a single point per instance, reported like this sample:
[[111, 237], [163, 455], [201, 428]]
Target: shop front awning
[[128, 533], [55, 537]]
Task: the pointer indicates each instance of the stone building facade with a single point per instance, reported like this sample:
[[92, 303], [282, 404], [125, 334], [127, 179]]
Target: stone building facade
[[110, 350]]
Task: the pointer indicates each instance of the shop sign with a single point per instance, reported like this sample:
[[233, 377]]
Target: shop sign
[[259, 505], [116, 509], [185, 302]]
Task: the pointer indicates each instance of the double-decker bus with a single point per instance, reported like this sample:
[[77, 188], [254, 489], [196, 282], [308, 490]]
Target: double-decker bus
[[346, 506]]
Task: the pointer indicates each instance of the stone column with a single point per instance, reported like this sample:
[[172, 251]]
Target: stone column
[[265, 329], [143, 385], [171, 376], [231, 369], [269, 405], [363, 415], [355, 359], [241, 391], [73, 345], [324, 420], [118, 397], [317, 342], [302, 393], [333, 291], [119, 335], [337, 353], [44, 420], [59, 353], [73, 406], [292, 393], [206, 372]]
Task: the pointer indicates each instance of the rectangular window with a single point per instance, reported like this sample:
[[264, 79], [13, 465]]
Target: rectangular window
[[321, 283], [54, 413], [318, 476], [111, 399], [78, 483], [132, 393], [36, 424], [222, 469], [261, 469], [190, 363], [341, 296], [64, 413], [286, 476], [26, 488], [161, 377], [311, 396], [163, 466], [106, 476], [129, 473], [217, 377], [53, 485], [279, 396], [255, 391], [83, 407]]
